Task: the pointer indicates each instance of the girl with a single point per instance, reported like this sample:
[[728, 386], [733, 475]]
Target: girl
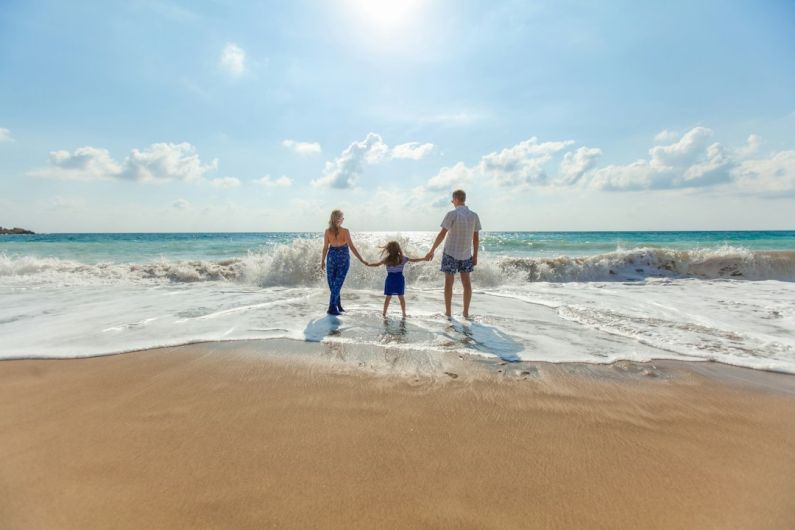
[[336, 242], [395, 283]]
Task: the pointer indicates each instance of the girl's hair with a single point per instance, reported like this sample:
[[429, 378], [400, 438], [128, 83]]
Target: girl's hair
[[332, 224], [394, 254]]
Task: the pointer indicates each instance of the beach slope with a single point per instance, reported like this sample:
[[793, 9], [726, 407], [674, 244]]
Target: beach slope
[[227, 437]]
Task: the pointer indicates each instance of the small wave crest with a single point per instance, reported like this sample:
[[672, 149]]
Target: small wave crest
[[298, 264], [640, 263]]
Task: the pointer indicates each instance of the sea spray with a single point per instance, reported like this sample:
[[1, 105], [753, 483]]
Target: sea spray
[[298, 264]]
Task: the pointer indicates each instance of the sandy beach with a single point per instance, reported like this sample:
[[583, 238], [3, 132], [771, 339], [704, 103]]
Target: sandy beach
[[224, 436]]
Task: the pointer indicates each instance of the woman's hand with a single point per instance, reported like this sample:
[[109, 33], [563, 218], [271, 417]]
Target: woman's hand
[[322, 265]]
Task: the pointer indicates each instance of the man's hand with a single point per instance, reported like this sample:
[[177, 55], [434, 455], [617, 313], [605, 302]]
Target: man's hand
[[474, 259], [429, 256]]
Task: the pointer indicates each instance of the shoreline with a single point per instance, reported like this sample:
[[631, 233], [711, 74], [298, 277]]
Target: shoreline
[[279, 348], [248, 435]]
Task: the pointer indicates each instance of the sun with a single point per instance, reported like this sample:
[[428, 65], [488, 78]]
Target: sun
[[385, 15]]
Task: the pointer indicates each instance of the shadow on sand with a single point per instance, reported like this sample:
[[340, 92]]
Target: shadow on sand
[[319, 328], [486, 339]]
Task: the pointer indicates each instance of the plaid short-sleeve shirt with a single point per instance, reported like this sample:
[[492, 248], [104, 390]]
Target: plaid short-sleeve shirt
[[461, 224]]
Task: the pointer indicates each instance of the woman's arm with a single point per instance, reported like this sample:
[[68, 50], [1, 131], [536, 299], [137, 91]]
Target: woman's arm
[[377, 264], [414, 260], [353, 247], [325, 250]]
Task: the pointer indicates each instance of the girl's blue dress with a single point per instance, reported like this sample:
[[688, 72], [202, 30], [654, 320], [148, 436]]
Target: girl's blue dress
[[395, 283]]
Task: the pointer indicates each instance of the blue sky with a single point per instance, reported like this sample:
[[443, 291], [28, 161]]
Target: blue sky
[[177, 116]]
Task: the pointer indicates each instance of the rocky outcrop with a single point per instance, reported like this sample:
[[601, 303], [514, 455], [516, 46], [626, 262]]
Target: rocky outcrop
[[15, 230]]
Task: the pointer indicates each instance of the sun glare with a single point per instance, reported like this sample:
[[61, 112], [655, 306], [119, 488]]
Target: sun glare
[[385, 15]]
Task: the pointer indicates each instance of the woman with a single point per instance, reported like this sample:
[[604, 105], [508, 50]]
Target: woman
[[336, 242]]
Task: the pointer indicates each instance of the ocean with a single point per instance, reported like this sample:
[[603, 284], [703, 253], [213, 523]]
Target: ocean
[[594, 297]]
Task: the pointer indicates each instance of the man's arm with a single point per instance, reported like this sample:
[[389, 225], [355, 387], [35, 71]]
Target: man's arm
[[439, 239], [475, 245]]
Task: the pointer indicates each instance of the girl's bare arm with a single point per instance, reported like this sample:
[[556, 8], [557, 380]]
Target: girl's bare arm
[[414, 260], [378, 264]]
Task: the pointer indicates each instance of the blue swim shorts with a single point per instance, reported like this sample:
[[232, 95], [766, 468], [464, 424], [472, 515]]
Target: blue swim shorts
[[450, 265]]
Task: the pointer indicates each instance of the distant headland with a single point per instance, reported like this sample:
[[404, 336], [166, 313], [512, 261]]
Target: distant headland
[[14, 230]]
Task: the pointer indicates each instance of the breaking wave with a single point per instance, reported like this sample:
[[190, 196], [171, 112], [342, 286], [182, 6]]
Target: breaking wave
[[298, 264]]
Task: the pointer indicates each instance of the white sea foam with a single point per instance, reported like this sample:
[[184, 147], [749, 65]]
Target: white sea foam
[[726, 304], [297, 264]]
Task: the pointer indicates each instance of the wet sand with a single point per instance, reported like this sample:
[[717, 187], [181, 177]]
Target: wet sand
[[215, 436]]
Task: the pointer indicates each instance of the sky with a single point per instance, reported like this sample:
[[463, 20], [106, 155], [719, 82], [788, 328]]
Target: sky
[[173, 116]]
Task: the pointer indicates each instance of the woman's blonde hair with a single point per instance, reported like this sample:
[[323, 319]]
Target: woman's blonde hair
[[394, 254], [332, 221]]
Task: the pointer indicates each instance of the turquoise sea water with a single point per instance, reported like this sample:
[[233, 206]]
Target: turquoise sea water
[[550, 296], [145, 247]]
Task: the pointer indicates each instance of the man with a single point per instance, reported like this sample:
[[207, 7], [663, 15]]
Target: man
[[460, 255]]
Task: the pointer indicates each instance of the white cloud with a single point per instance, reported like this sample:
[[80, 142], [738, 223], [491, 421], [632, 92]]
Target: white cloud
[[683, 152], [450, 178], [517, 166], [689, 162], [302, 148], [165, 161], [441, 202], [576, 163], [768, 176], [751, 147], [412, 150], [5, 135], [233, 59], [225, 182], [180, 204], [268, 182], [85, 163], [522, 163], [160, 162], [345, 170], [665, 136]]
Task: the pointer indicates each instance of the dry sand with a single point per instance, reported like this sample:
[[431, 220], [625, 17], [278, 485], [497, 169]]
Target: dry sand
[[206, 436]]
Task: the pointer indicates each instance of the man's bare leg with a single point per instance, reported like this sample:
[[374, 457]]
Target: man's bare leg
[[448, 293], [467, 283]]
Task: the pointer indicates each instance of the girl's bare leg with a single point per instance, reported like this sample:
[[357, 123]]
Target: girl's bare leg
[[402, 301], [386, 303]]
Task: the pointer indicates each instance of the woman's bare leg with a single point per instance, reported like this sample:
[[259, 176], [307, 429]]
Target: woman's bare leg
[[402, 301]]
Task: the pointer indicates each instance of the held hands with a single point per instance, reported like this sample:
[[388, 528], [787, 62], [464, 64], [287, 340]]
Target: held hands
[[429, 256]]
